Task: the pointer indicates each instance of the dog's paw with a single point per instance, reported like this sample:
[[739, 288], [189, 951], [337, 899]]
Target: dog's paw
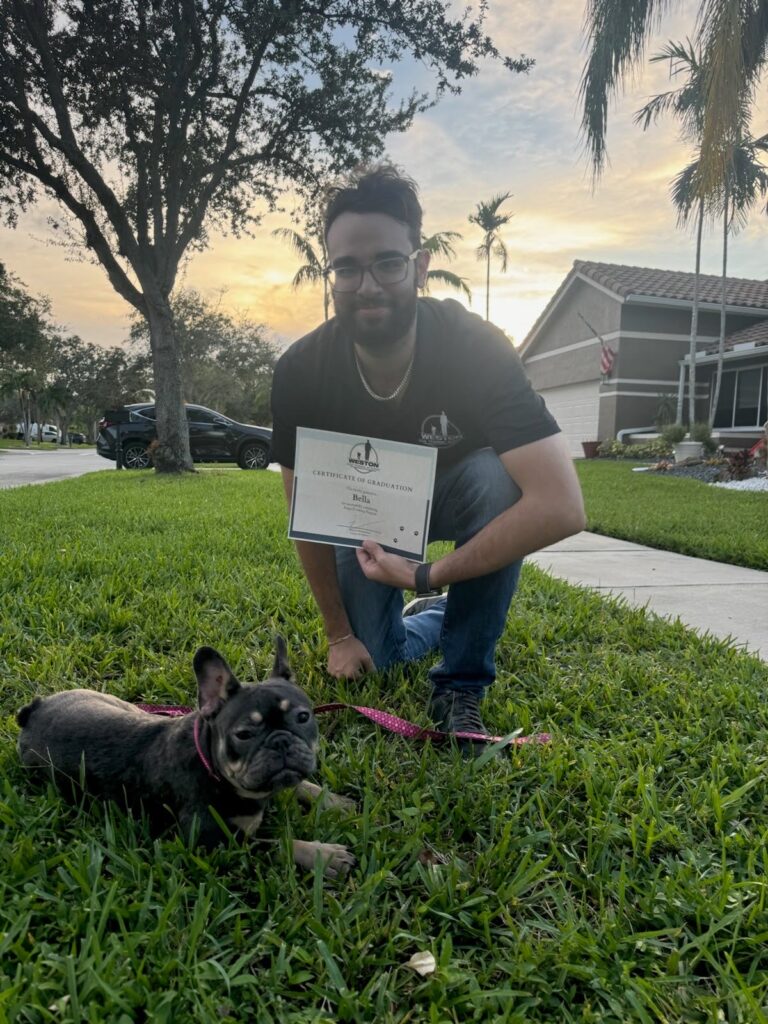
[[336, 802], [336, 859], [309, 793]]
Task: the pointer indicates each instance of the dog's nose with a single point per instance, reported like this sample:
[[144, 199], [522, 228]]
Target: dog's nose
[[280, 741]]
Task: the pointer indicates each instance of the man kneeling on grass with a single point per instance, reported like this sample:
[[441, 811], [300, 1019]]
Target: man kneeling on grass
[[394, 366]]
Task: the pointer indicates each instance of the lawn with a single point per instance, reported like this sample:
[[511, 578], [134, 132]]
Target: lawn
[[618, 874], [675, 513]]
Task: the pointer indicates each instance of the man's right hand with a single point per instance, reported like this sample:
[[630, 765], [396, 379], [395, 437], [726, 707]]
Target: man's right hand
[[349, 659]]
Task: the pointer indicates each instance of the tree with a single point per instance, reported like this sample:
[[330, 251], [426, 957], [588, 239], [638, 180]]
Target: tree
[[226, 361], [25, 348], [745, 179], [309, 247], [489, 220], [687, 104], [152, 123], [441, 244], [734, 43]]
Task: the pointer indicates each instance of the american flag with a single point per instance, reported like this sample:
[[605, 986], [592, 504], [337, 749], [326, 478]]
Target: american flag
[[607, 355], [607, 359]]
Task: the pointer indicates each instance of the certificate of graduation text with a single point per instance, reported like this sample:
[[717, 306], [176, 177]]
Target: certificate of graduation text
[[347, 488]]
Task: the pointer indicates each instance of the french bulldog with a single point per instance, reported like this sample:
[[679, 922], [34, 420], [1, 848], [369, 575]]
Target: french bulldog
[[242, 745]]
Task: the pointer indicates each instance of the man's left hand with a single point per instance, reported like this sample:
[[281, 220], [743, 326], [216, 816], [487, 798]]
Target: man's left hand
[[383, 567]]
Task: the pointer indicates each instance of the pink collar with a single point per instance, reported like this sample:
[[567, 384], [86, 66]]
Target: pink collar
[[199, 749]]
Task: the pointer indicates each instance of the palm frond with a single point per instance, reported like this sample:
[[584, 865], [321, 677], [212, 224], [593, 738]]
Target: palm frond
[[441, 244], [487, 216], [501, 254], [617, 33], [684, 192], [300, 244], [450, 280], [734, 37], [308, 274], [687, 102]]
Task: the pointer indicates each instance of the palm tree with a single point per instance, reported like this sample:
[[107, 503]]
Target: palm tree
[[734, 41], [747, 178], [687, 104], [441, 244], [315, 259], [489, 220]]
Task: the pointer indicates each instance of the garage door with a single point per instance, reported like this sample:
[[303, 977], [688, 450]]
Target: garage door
[[576, 407]]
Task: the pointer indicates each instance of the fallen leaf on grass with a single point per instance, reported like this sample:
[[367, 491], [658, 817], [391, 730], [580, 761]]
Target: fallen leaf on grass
[[422, 963]]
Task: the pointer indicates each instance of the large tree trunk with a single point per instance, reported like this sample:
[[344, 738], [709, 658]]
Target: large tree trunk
[[172, 453], [721, 342]]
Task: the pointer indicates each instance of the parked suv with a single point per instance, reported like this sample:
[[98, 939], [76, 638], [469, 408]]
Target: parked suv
[[212, 437]]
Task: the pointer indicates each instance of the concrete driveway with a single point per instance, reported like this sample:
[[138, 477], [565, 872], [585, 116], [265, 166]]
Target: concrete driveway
[[19, 466]]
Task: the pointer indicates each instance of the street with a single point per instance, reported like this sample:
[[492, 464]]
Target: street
[[19, 466]]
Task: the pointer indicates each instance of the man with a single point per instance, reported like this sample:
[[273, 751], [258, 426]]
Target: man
[[392, 365]]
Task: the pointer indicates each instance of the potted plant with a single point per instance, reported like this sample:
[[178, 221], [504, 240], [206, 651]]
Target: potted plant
[[683, 447], [590, 449]]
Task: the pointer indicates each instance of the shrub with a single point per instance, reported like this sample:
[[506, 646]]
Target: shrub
[[673, 433], [702, 432], [655, 449], [740, 465]]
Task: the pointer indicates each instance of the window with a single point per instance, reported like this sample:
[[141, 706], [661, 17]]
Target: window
[[747, 397], [743, 398], [724, 414], [202, 416]]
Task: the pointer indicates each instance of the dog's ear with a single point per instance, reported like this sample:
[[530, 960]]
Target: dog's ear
[[281, 668], [215, 682]]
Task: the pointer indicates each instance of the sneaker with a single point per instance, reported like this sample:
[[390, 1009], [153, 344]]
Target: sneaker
[[420, 604], [458, 711]]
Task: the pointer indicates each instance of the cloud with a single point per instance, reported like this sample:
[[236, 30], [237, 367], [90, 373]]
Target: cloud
[[504, 132]]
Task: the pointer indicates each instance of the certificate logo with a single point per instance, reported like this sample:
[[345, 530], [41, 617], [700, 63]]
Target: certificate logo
[[363, 457], [438, 432]]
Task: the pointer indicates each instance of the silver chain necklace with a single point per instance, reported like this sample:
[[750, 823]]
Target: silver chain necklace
[[400, 387]]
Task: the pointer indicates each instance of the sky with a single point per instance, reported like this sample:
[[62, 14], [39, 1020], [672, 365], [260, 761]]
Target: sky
[[505, 133]]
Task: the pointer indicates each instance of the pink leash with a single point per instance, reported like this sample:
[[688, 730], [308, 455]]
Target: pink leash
[[391, 723]]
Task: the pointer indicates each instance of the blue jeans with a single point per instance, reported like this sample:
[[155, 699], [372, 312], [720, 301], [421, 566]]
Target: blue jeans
[[468, 622]]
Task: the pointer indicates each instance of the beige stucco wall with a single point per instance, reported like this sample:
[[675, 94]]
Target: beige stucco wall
[[564, 327]]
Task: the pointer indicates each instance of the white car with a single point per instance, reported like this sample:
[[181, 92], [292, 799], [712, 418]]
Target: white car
[[50, 432]]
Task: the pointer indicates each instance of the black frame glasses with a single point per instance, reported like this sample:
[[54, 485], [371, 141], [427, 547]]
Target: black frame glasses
[[385, 271]]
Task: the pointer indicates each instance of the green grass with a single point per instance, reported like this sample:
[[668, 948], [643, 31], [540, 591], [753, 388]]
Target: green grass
[[675, 513], [619, 874]]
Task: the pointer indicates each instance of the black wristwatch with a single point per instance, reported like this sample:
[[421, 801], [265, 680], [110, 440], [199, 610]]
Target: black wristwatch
[[423, 588]]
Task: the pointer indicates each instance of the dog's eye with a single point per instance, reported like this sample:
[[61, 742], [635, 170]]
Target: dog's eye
[[244, 734], [303, 717]]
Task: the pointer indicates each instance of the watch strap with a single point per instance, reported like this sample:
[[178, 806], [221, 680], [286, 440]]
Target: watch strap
[[423, 589]]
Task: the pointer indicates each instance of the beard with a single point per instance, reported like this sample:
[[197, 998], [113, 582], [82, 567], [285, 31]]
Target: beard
[[393, 319]]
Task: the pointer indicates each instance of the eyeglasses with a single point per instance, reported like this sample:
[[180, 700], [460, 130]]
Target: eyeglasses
[[386, 271]]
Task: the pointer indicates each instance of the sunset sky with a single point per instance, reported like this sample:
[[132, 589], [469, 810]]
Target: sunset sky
[[505, 132]]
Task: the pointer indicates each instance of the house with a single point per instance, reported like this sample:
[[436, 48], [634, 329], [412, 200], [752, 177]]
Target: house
[[643, 316]]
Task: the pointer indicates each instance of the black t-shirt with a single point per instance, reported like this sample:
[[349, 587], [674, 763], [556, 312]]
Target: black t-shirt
[[468, 390]]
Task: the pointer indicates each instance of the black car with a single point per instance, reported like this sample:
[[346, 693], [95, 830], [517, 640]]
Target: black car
[[212, 437]]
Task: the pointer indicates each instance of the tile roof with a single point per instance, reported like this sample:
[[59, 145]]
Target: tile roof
[[756, 334], [673, 284]]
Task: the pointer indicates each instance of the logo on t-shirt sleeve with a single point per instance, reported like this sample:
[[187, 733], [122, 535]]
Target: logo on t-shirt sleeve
[[439, 432]]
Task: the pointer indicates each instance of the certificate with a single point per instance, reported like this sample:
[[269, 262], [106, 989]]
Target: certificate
[[347, 488]]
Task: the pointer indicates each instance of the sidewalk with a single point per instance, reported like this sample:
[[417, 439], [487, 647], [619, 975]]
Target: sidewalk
[[725, 600]]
